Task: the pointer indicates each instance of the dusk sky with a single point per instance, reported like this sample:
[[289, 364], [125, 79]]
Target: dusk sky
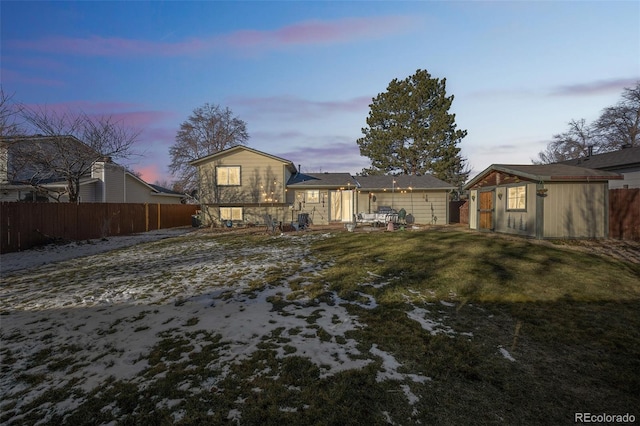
[[302, 74]]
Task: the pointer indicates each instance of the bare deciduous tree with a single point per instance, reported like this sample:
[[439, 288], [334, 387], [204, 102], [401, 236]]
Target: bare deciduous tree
[[619, 125], [209, 129], [574, 143], [66, 148], [9, 115]]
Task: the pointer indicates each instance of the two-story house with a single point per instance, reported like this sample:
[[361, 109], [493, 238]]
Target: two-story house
[[241, 184], [101, 180]]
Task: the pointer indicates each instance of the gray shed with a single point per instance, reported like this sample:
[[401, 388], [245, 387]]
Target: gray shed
[[541, 201]]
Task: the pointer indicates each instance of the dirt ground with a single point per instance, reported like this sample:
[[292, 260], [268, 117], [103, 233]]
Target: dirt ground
[[624, 250]]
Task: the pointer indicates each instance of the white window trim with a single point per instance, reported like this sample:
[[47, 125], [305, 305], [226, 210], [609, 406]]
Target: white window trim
[[219, 170], [231, 213], [313, 199], [519, 198]]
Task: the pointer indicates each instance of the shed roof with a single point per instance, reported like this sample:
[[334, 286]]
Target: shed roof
[[614, 160], [547, 173], [414, 182], [322, 180]]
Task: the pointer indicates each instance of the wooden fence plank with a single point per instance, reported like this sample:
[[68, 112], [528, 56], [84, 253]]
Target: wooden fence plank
[[624, 213], [25, 225]]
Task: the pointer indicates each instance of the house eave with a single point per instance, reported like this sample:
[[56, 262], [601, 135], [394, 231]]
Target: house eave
[[227, 151], [413, 189]]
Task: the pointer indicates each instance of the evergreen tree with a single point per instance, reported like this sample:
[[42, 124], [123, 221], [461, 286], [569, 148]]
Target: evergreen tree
[[410, 131]]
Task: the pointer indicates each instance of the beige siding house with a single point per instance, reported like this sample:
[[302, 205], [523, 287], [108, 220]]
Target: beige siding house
[[243, 185], [325, 197], [424, 198], [541, 201]]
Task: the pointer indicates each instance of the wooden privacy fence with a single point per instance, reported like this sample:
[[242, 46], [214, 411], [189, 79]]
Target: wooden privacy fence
[[463, 211], [624, 214], [25, 225]]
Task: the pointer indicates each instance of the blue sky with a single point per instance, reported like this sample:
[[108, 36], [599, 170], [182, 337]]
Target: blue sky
[[302, 74]]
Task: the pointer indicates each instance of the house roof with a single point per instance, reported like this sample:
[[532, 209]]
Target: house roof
[[165, 191], [322, 180], [414, 182], [22, 149], [236, 148], [614, 160], [547, 173], [155, 189]]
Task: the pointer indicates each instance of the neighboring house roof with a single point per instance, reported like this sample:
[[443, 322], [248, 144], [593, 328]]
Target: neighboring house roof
[[155, 189], [322, 181], [414, 182], [53, 184], [615, 160], [18, 156], [237, 148], [165, 191], [547, 173]]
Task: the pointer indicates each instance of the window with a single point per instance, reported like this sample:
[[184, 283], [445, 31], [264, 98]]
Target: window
[[313, 196], [230, 213], [228, 176], [517, 198]]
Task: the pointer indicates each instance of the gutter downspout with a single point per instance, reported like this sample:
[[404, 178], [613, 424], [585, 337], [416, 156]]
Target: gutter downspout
[[539, 212], [124, 184]]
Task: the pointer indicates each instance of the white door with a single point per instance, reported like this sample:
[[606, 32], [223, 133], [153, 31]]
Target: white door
[[341, 208]]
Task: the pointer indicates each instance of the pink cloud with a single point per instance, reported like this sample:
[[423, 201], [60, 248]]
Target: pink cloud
[[84, 106], [322, 32], [9, 76], [292, 107], [314, 153], [339, 155], [127, 113], [142, 118], [149, 173], [299, 34], [36, 62], [595, 87], [164, 136]]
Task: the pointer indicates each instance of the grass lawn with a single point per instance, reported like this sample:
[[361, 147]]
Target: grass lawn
[[427, 327]]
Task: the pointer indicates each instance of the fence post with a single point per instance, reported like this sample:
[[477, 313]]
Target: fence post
[[146, 217]]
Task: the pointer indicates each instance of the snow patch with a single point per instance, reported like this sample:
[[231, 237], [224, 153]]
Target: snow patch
[[506, 354]]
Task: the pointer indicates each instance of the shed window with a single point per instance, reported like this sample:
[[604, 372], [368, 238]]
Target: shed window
[[517, 198], [230, 213], [228, 175], [313, 196]]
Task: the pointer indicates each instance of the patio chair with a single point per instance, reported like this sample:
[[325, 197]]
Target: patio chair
[[270, 223], [303, 221], [402, 216]]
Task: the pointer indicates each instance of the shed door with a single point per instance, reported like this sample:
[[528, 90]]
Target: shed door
[[486, 210]]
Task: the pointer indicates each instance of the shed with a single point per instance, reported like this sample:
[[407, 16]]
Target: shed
[[541, 201]]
